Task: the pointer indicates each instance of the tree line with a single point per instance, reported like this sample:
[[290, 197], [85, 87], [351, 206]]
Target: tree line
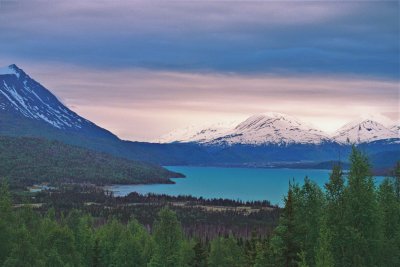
[[26, 161], [349, 222]]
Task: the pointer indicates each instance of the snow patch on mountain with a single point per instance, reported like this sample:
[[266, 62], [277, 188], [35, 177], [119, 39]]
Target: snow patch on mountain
[[21, 94], [266, 128], [364, 130], [396, 129], [9, 70], [197, 133], [272, 128], [282, 129]]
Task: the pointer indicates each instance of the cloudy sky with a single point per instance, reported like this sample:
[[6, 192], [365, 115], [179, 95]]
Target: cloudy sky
[[143, 68]]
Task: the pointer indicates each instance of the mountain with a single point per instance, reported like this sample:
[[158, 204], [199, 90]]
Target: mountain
[[363, 131], [26, 160], [396, 129], [260, 129], [27, 109], [272, 128], [281, 129], [196, 133], [24, 98]]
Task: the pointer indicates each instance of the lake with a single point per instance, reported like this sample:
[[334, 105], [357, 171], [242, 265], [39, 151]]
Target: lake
[[244, 184], [232, 183]]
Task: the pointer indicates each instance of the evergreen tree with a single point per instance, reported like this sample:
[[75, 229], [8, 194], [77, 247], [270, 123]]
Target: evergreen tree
[[81, 226], [396, 177], [389, 208], [24, 253], [334, 221], [168, 240], [187, 253], [6, 223], [142, 239], [225, 252], [128, 252], [250, 250], [361, 239], [200, 255], [309, 208], [323, 254], [53, 259], [284, 244], [262, 257], [302, 260], [61, 240], [108, 237]]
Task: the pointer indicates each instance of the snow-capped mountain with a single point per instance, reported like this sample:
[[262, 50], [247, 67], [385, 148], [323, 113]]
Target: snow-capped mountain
[[272, 128], [34, 110], [20, 94], [278, 128], [29, 109], [196, 133], [267, 128], [363, 131], [396, 129]]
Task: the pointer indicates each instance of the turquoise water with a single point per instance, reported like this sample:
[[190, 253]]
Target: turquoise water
[[232, 183]]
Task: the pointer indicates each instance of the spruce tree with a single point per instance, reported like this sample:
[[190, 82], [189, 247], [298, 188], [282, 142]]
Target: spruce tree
[[389, 208], [6, 223], [396, 177], [200, 255], [285, 245], [323, 254], [361, 238], [225, 252], [308, 214], [168, 240], [24, 252], [334, 221], [262, 254]]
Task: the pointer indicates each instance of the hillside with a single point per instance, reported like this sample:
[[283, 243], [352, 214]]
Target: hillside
[[31, 160], [28, 109]]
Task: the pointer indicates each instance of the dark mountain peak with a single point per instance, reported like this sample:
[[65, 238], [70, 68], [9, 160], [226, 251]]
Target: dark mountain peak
[[13, 70], [14, 67], [20, 73], [25, 101]]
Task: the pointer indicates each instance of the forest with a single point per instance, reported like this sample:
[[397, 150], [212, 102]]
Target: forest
[[26, 160], [352, 221]]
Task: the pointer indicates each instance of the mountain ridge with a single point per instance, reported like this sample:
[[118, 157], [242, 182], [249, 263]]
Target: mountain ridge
[[227, 148], [278, 128]]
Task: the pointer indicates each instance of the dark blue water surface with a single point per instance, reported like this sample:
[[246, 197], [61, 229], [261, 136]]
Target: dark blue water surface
[[232, 183]]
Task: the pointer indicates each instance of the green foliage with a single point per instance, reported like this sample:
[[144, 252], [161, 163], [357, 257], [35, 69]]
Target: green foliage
[[302, 260], [168, 240], [352, 223], [23, 252], [308, 212], [389, 207], [334, 227], [262, 257], [349, 224], [200, 255], [6, 222], [396, 177], [285, 245], [323, 254], [361, 215], [30, 160], [225, 252]]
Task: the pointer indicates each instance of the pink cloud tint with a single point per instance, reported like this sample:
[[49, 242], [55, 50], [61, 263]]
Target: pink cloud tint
[[139, 104]]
